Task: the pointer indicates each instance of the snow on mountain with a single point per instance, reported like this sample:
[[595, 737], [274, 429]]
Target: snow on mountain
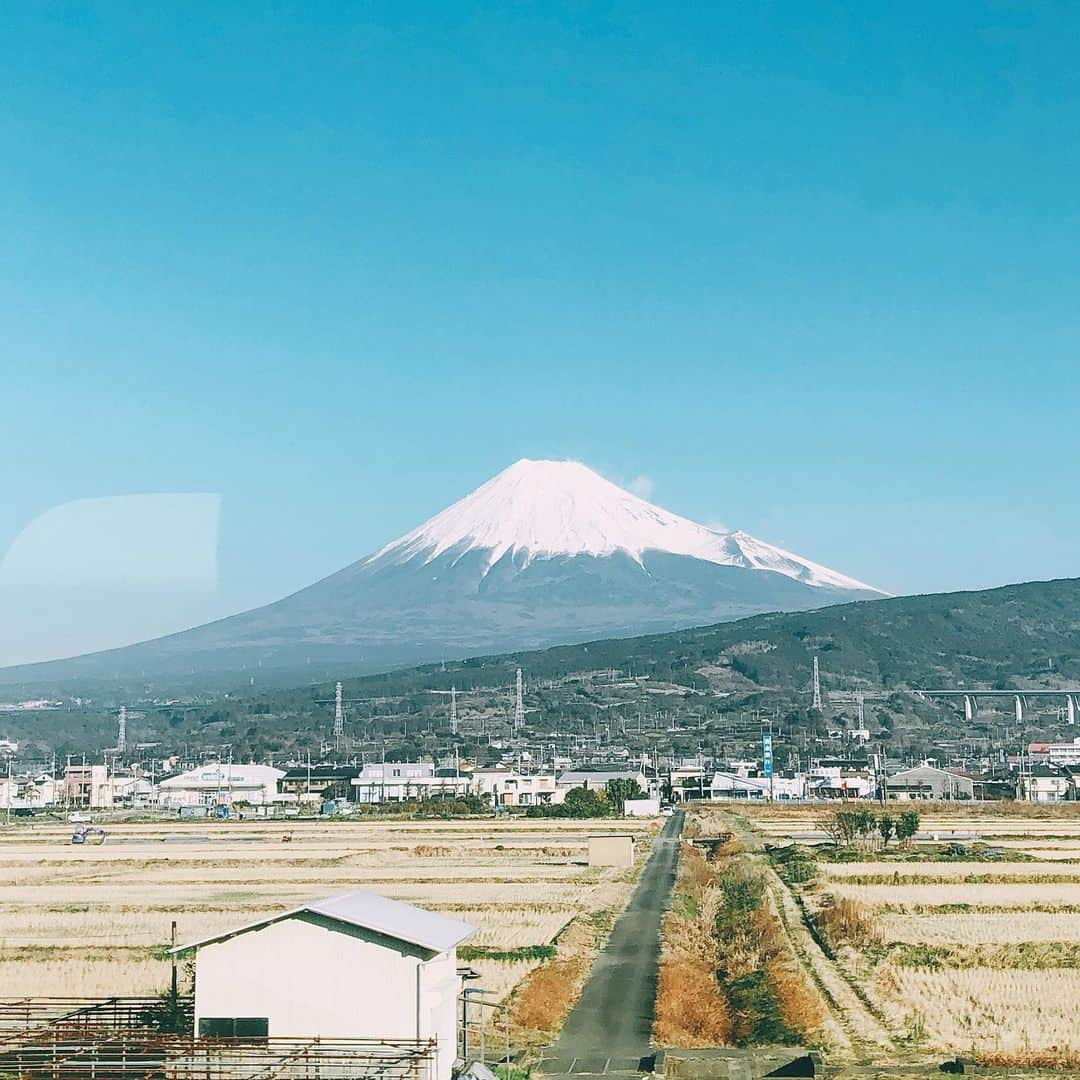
[[548, 509]]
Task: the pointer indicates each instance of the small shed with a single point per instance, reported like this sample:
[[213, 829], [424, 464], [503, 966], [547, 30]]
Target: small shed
[[357, 965], [612, 849]]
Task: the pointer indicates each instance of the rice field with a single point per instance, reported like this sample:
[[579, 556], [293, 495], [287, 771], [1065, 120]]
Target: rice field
[[972, 896], [95, 920], [981, 928], [974, 952], [985, 1010]]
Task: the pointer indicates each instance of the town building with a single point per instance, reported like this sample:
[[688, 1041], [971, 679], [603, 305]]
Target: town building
[[1056, 753], [687, 782], [402, 781], [321, 781], [597, 777], [26, 791], [928, 782], [729, 785], [87, 786], [1046, 783], [841, 778], [508, 787], [221, 784]]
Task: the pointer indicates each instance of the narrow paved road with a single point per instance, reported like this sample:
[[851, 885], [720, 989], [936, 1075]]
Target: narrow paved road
[[610, 1028]]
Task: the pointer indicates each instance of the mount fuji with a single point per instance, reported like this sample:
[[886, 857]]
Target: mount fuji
[[546, 552]]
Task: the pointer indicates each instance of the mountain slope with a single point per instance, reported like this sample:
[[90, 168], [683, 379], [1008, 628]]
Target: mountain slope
[[1011, 637], [1015, 637], [544, 553]]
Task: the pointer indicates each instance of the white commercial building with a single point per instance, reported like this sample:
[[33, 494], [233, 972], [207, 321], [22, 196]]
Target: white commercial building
[[221, 785], [728, 785], [836, 778], [928, 782], [1061, 753], [354, 966]]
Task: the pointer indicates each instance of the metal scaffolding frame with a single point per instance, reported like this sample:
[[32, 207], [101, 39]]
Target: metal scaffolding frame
[[112, 1039]]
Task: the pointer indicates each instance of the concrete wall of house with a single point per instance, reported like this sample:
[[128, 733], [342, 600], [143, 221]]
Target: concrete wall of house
[[311, 977], [611, 851]]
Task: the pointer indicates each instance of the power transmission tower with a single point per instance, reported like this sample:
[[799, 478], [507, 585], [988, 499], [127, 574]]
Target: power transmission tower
[[339, 714], [453, 710], [519, 706], [121, 731], [817, 687]]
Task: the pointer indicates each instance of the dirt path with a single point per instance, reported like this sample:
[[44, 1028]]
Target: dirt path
[[609, 1029]]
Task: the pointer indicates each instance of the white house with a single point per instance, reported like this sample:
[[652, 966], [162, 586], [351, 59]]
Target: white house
[[24, 790], [399, 781], [1046, 784], [508, 787], [221, 785], [353, 966]]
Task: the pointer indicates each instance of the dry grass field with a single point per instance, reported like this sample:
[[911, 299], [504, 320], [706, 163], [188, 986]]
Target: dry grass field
[[95, 920], [977, 953]]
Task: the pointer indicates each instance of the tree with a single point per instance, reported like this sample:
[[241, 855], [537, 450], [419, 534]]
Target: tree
[[621, 789], [886, 825], [841, 826], [581, 802], [907, 826], [865, 821]]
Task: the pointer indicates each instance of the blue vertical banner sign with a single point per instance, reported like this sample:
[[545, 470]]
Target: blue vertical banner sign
[[766, 753]]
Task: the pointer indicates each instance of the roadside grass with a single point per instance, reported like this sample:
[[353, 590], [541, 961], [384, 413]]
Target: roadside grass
[[728, 974]]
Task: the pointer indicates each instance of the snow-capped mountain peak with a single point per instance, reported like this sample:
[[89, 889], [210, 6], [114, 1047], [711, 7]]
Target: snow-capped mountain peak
[[550, 509]]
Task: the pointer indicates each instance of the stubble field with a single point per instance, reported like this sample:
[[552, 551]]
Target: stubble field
[[973, 950], [90, 921]]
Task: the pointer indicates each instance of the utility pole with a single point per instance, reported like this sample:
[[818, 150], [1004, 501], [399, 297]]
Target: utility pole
[[519, 705], [174, 989], [339, 715]]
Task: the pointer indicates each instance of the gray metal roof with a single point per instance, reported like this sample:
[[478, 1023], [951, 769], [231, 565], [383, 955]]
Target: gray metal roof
[[370, 911]]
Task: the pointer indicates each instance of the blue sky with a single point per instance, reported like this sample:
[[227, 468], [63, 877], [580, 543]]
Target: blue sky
[[809, 268]]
